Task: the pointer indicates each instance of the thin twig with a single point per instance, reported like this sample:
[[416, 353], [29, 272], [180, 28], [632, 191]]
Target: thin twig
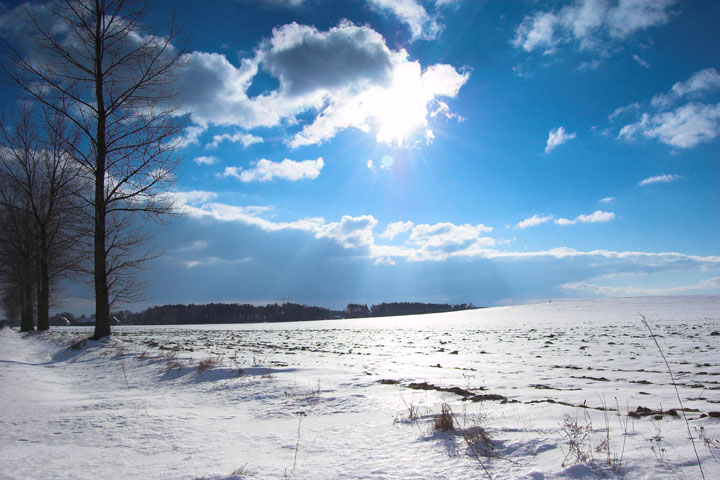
[[677, 393], [297, 445], [127, 384]]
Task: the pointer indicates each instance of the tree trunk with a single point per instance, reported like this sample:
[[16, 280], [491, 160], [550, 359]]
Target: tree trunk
[[102, 304], [43, 300], [102, 295], [43, 303], [26, 312]]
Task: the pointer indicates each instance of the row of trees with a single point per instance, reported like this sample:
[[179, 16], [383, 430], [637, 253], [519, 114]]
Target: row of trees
[[286, 312], [40, 215], [224, 313], [391, 309], [92, 145]]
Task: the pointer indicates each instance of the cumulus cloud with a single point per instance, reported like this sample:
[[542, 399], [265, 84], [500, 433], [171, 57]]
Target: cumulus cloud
[[396, 228], [595, 217], [700, 82], [684, 127], [590, 24], [210, 160], [440, 242], [265, 170], [305, 59], [214, 92], [659, 179], [557, 137], [246, 139], [329, 81], [351, 232], [395, 110], [533, 221], [413, 14], [190, 136]]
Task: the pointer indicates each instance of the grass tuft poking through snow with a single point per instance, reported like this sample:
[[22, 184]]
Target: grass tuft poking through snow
[[443, 421], [208, 363]]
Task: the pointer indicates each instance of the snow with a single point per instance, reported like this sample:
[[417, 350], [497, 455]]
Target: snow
[[331, 399]]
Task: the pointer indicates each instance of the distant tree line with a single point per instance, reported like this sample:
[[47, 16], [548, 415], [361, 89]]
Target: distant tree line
[[355, 310], [223, 313], [220, 313]]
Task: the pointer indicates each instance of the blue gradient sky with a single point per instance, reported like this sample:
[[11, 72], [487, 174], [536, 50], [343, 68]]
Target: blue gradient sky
[[443, 151]]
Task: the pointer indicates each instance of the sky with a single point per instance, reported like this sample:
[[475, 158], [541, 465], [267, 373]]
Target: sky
[[455, 151]]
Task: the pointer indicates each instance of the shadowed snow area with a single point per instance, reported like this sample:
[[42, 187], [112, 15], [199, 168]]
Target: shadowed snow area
[[557, 390]]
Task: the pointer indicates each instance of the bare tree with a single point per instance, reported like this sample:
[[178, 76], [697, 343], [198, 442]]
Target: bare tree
[[94, 62], [16, 253], [43, 180]]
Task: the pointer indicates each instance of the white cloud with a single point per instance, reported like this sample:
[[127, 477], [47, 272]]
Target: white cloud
[[396, 228], [640, 61], [264, 170], [557, 137], [659, 179], [607, 199], [536, 31], [707, 79], [351, 232], [590, 24], [700, 82], [704, 286], [246, 139], [284, 3], [633, 107], [209, 160], [395, 110], [533, 221], [684, 127], [595, 217], [306, 60], [414, 15], [201, 204], [333, 80], [439, 242], [190, 136]]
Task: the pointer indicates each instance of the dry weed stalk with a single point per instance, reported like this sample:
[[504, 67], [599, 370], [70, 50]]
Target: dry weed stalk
[[677, 393], [443, 421], [208, 363], [577, 438]]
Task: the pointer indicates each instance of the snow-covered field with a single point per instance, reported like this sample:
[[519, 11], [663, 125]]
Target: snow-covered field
[[548, 386]]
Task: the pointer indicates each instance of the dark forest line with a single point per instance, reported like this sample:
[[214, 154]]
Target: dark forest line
[[220, 313]]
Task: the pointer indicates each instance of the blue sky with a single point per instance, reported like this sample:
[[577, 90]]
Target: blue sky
[[442, 151]]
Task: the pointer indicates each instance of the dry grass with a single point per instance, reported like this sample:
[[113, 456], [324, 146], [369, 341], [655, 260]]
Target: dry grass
[[412, 411], [444, 421], [242, 471], [304, 395], [208, 363], [677, 394], [171, 361]]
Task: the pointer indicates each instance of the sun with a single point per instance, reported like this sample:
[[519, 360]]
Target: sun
[[402, 108]]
